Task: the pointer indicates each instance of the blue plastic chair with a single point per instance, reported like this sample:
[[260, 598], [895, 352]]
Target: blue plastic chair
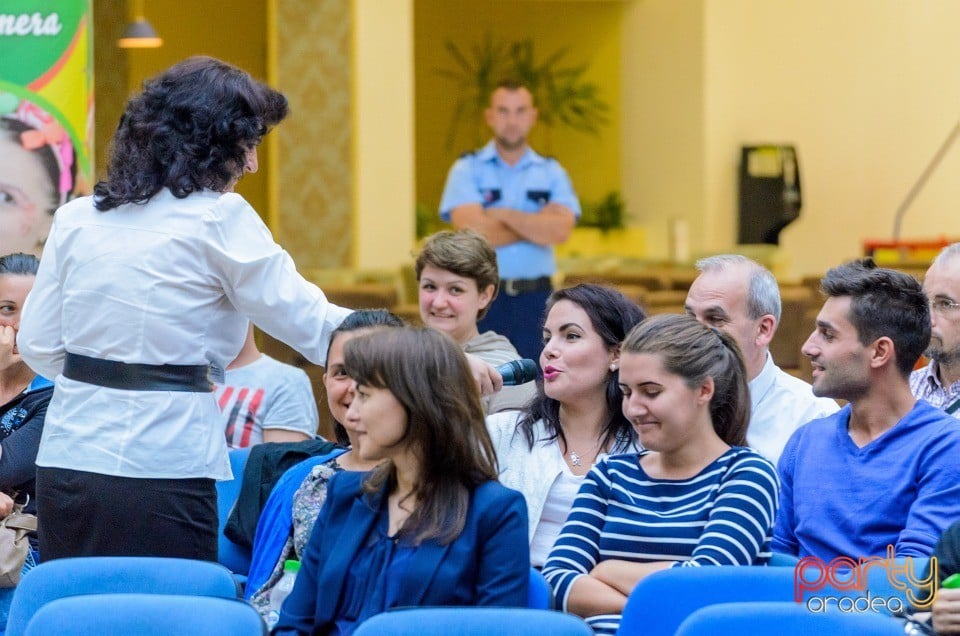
[[539, 594], [473, 621], [661, 601], [781, 560], [145, 615], [63, 578], [233, 555], [776, 619]]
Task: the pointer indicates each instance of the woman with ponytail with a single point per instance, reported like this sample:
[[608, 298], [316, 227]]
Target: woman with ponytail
[[695, 496]]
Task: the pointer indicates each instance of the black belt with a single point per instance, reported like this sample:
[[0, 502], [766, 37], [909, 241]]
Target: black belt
[[141, 377], [517, 286]]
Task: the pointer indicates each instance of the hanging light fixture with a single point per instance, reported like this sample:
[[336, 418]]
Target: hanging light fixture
[[139, 34]]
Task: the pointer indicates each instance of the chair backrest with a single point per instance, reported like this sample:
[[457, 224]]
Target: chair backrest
[[234, 556], [776, 619], [145, 615], [473, 621], [539, 594], [661, 601], [781, 560], [103, 575]]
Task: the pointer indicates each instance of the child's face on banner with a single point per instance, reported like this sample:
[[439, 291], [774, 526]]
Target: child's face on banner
[[26, 199]]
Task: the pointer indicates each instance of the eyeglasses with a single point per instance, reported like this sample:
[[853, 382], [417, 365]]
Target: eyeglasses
[[943, 306]]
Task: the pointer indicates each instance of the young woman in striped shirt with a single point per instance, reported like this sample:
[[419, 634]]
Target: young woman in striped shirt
[[695, 496]]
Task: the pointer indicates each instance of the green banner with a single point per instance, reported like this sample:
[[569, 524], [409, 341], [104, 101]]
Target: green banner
[[46, 115]]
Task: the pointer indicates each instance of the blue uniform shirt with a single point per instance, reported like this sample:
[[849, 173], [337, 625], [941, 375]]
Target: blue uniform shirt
[[483, 177]]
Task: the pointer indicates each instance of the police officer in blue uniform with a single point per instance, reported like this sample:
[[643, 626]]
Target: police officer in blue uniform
[[523, 204]]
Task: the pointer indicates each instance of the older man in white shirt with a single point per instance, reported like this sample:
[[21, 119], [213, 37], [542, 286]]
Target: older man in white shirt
[[741, 297]]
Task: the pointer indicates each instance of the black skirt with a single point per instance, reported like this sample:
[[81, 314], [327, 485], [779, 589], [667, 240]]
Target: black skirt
[[88, 514]]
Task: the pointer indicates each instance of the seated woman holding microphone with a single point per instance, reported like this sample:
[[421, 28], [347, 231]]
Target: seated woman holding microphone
[[545, 450], [430, 525], [695, 496]]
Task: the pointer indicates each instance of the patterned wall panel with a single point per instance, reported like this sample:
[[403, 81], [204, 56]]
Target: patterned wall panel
[[314, 178]]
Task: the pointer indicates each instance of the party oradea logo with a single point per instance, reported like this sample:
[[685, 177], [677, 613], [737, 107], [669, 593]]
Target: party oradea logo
[[869, 584], [35, 35]]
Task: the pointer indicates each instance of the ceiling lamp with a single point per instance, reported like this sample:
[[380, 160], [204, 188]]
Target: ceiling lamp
[[139, 34]]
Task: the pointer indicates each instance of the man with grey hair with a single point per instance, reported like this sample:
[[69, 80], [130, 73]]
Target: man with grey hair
[[741, 297], [939, 382]]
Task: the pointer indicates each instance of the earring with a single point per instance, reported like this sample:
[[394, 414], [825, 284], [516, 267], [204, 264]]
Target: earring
[[613, 368]]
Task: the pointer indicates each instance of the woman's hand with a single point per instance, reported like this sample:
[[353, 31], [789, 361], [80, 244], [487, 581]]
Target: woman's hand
[[6, 504], [9, 356], [486, 376], [623, 576], [946, 611]]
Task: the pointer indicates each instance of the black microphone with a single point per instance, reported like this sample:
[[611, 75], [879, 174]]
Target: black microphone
[[518, 372]]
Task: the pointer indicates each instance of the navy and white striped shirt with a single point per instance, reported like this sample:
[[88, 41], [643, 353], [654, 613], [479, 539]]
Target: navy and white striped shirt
[[722, 516]]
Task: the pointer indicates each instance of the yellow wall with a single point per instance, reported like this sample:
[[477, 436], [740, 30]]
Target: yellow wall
[[663, 130], [865, 88], [382, 99], [590, 32], [109, 77]]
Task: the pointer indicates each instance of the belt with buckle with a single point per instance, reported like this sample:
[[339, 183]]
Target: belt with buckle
[[192, 378], [517, 286]]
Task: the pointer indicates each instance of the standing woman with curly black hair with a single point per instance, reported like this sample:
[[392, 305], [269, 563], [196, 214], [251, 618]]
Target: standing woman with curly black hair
[[143, 296]]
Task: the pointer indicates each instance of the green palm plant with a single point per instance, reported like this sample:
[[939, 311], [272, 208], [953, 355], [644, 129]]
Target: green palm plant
[[562, 96], [476, 71]]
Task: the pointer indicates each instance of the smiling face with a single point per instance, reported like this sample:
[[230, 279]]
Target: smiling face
[[841, 364], [575, 359], [451, 303], [13, 292], [378, 422], [27, 199], [665, 412], [336, 382]]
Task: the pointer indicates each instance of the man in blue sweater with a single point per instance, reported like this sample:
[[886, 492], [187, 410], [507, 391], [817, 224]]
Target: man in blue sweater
[[884, 470]]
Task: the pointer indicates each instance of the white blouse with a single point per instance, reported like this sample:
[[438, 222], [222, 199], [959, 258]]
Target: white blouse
[[172, 281], [556, 508]]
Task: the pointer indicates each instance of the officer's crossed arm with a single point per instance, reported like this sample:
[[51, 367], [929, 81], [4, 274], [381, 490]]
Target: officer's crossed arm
[[472, 216], [550, 226]]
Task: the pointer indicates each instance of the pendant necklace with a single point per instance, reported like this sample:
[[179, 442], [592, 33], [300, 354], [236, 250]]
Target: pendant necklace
[[575, 459]]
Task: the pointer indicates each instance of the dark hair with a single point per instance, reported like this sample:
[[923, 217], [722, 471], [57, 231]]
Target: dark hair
[[47, 156], [884, 302], [427, 372], [465, 253], [189, 130], [510, 84], [19, 264], [612, 315], [357, 321], [695, 352]]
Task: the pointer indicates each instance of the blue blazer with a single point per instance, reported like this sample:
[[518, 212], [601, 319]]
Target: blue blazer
[[488, 564]]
